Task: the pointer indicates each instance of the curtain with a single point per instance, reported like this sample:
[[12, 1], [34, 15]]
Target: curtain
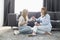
[[52, 5], [8, 8]]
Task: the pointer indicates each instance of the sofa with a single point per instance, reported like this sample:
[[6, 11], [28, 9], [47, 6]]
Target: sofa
[[55, 19]]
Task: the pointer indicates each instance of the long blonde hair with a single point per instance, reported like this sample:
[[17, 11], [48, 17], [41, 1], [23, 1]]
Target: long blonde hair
[[45, 10], [24, 13]]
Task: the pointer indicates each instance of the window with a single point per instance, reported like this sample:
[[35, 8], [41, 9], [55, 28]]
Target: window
[[30, 5]]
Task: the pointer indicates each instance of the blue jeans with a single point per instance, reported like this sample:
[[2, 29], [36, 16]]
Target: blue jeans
[[25, 29]]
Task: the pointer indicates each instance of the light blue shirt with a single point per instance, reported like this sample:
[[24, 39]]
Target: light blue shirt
[[45, 21]]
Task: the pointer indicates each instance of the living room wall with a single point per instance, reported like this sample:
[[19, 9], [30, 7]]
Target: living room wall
[[1, 12], [30, 5]]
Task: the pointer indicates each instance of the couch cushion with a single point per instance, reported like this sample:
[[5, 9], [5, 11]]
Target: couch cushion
[[57, 16], [51, 15], [12, 19], [36, 14], [57, 25]]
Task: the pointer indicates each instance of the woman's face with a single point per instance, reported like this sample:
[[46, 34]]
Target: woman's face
[[42, 12]]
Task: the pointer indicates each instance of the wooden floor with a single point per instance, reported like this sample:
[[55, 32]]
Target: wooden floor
[[8, 35]]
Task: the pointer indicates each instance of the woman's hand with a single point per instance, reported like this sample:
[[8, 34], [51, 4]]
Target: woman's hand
[[37, 24], [33, 18]]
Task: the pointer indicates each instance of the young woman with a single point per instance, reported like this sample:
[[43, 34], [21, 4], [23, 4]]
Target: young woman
[[23, 20], [45, 25]]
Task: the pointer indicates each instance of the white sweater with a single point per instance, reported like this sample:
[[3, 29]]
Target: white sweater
[[21, 19]]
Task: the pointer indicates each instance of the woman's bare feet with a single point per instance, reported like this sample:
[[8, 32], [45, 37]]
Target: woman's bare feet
[[48, 33], [33, 33]]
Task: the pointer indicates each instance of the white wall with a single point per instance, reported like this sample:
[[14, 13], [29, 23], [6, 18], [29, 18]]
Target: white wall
[[31, 5], [1, 11]]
